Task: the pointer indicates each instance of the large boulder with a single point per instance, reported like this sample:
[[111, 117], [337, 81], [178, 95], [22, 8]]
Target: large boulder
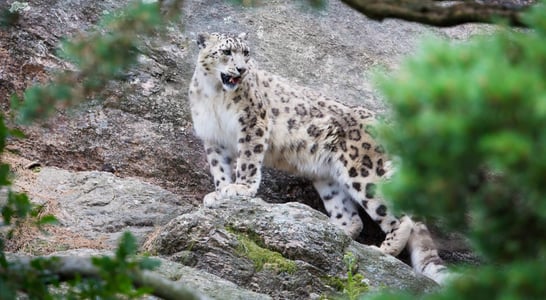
[[289, 251]]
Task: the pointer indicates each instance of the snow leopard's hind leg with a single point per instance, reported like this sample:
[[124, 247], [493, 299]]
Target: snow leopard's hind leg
[[340, 207], [361, 186]]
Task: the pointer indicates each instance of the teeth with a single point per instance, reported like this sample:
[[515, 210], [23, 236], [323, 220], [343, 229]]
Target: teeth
[[231, 79]]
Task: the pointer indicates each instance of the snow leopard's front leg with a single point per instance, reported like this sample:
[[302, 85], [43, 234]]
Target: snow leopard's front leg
[[252, 144], [219, 159]]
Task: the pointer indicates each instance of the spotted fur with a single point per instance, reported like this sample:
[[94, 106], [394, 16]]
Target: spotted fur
[[248, 118]]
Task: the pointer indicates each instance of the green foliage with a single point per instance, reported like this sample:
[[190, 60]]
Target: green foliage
[[8, 18], [34, 281], [115, 278], [351, 287], [468, 126], [115, 274], [355, 285], [17, 205]]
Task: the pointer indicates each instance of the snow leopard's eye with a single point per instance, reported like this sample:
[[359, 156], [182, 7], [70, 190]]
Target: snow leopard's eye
[[226, 52]]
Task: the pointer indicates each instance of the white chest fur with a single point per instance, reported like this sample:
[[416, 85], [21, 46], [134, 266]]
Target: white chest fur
[[213, 121]]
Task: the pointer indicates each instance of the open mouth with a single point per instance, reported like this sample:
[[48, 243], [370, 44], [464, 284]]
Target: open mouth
[[230, 81]]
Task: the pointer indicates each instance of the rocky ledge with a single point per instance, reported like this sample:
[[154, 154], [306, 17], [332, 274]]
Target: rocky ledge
[[247, 248]]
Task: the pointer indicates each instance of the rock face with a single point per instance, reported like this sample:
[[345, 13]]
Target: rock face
[[147, 115], [206, 249], [93, 208], [210, 240], [212, 286], [129, 160], [100, 205]]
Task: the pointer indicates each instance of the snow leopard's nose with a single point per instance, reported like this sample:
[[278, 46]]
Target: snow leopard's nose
[[241, 70]]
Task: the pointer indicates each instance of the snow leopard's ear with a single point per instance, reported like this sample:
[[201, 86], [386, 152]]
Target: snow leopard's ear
[[242, 35], [201, 39]]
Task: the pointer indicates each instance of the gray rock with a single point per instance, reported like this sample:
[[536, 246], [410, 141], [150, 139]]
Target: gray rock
[[209, 239], [207, 284], [100, 205]]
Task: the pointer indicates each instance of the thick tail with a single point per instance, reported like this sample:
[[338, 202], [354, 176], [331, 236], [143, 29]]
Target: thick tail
[[424, 255]]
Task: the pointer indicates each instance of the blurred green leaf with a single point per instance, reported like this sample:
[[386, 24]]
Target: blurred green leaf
[[47, 220], [147, 263], [127, 246], [469, 122]]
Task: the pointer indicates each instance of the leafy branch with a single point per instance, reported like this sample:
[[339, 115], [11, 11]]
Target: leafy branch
[[442, 13]]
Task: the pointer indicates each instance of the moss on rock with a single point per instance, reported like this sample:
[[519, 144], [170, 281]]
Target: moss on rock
[[252, 247]]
